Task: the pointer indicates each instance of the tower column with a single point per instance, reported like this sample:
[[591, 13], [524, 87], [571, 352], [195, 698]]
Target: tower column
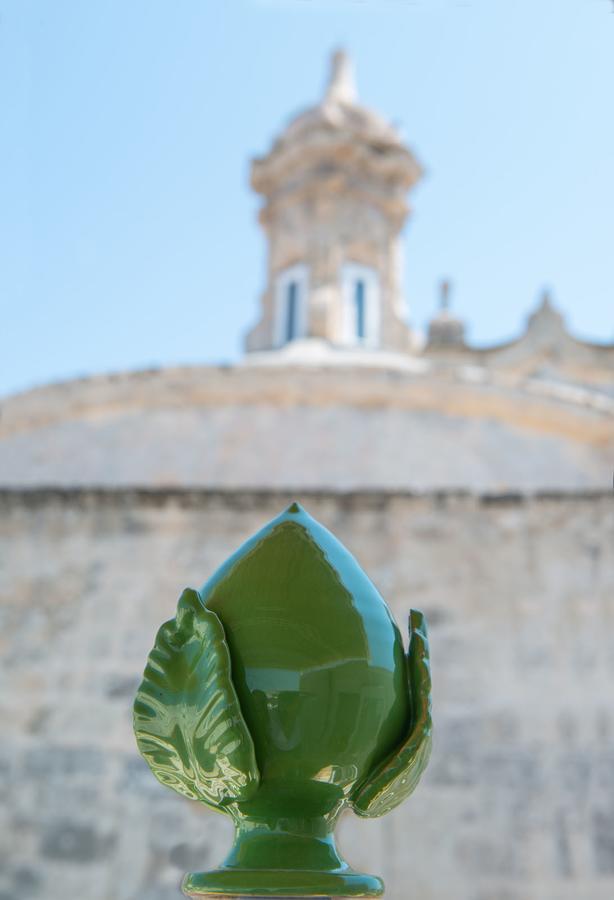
[[334, 185]]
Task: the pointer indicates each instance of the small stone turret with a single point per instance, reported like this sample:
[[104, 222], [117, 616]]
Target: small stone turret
[[334, 187], [546, 323], [446, 332]]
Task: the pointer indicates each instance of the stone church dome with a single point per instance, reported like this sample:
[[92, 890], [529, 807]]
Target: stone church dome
[[289, 426], [335, 391]]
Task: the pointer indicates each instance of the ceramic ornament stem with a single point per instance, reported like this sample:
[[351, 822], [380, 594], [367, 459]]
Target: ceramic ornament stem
[[280, 695]]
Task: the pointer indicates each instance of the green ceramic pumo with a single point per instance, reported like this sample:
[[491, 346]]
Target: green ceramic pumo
[[281, 694]]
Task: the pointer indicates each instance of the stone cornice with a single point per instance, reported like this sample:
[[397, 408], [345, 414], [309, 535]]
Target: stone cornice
[[239, 499]]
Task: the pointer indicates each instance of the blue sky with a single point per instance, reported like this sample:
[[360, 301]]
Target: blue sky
[[128, 233]]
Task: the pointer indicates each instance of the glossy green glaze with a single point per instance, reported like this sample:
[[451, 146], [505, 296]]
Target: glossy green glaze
[[187, 717], [281, 694]]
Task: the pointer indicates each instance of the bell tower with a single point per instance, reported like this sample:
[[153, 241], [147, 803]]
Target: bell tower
[[334, 186]]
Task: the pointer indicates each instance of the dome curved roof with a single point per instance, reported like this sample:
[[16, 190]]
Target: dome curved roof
[[357, 120], [339, 109], [338, 123], [321, 427]]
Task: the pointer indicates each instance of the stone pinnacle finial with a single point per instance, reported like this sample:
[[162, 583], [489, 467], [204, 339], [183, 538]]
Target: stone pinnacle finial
[[341, 87], [546, 315], [444, 295], [546, 299], [446, 331]]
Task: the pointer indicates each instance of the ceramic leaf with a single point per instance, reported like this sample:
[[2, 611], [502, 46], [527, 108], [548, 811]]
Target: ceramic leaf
[[187, 718], [396, 778]]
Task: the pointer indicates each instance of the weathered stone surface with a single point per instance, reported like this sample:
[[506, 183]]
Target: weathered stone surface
[[517, 803], [74, 842], [329, 429]]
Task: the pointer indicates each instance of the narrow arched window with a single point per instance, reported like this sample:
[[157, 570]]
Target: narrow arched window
[[291, 289], [291, 311], [360, 311], [361, 305]]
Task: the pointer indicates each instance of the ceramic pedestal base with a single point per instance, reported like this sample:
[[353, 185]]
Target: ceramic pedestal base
[[265, 863], [281, 884]]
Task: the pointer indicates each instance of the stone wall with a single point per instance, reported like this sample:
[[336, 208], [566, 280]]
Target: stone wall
[[518, 803]]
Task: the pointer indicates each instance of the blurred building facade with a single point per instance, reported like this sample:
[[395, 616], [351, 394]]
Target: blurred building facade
[[469, 481]]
